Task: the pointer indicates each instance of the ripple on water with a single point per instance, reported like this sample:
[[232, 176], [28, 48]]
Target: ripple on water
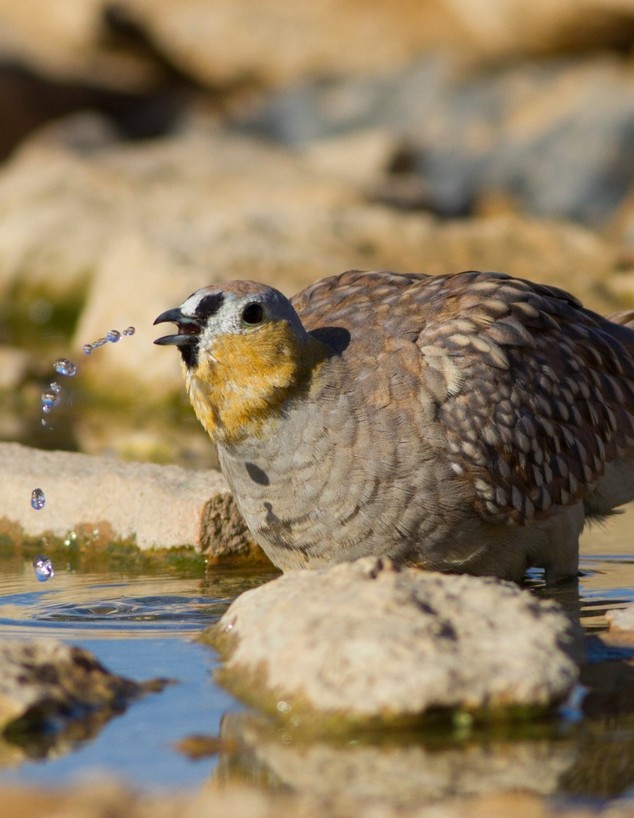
[[86, 606]]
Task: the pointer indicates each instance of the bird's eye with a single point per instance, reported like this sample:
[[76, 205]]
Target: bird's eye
[[252, 314]]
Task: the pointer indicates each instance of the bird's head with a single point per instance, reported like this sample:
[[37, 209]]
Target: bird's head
[[245, 353]]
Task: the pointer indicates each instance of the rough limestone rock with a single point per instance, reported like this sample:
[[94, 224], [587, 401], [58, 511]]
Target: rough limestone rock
[[156, 506], [43, 681], [369, 640]]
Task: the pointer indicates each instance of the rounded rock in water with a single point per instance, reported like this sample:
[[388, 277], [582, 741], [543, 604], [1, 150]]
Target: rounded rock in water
[[64, 366], [43, 568], [38, 500], [113, 336], [129, 331]]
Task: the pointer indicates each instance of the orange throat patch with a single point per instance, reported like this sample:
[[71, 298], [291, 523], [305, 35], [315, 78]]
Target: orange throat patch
[[241, 383]]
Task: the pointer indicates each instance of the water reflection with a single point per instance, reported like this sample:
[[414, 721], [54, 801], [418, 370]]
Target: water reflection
[[402, 769], [106, 606]]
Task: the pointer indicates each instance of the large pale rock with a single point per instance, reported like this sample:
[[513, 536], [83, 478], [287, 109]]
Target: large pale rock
[[369, 640], [549, 138], [70, 41], [224, 44], [506, 28], [62, 206], [221, 43], [155, 506]]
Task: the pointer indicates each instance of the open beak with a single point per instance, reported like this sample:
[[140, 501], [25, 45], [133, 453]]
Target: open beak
[[188, 328]]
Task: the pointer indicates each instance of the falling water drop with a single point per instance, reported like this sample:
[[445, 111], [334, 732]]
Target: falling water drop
[[43, 568], [63, 366], [38, 500], [50, 399], [113, 336], [129, 331], [87, 349]]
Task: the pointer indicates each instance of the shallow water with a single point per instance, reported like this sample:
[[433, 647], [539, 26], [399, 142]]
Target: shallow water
[[142, 626]]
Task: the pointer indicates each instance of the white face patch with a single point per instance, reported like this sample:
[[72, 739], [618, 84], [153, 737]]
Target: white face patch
[[188, 307]]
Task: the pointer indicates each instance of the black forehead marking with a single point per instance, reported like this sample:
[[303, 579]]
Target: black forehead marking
[[209, 305]]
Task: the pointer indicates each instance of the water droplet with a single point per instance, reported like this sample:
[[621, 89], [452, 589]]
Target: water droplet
[[43, 568], [87, 349], [38, 500], [99, 343], [63, 366], [49, 400], [129, 331], [55, 387], [113, 336]]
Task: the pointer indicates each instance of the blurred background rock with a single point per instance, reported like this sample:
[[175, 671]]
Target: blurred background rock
[[149, 147]]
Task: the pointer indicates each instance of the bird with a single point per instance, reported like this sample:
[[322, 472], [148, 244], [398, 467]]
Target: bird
[[464, 423]]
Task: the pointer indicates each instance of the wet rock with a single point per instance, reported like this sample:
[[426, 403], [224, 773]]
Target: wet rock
[[44, 684], [370, 641], [154, 506]]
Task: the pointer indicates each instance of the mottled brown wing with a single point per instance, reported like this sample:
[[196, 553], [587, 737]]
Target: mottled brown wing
[[539, 391], [534, 393]]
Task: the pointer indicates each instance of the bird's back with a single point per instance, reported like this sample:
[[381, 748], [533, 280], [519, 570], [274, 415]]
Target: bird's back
[[529, 396]]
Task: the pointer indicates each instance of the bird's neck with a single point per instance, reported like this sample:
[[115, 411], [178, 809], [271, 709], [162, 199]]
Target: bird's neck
[[239, 392]]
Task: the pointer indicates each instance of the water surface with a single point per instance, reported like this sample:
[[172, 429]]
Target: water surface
[[142, 625]]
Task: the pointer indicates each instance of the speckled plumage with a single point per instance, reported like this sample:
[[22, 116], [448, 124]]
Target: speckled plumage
[[463, 423]]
